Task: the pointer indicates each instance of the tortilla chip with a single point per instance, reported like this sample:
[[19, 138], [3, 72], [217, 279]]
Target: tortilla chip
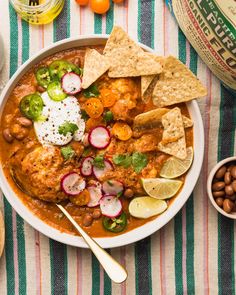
[[176, 148], [173, 126], [176, 84], [127, 58], [95, 65], [145, 82], [152, 119]]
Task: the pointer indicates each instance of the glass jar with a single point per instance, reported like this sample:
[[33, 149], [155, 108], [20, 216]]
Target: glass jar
[[43, 13]]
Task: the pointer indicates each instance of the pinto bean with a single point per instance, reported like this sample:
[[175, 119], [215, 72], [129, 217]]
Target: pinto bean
[[24, 121], [96, 214], [229, 190], [220, 172], [128, 193], [7, 135], [233, 172], [228, 205], [87, 219], [218, 186], [218, 194], [219, 201], [227, 178], [18, 131]]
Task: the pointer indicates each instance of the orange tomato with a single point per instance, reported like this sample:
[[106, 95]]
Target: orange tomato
[[122, 131], [93, 107], [92, 122], [100, 6], [82, 2], [108, 97], [118, 1]]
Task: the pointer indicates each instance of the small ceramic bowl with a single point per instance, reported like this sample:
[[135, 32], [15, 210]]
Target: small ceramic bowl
[[209, 186]]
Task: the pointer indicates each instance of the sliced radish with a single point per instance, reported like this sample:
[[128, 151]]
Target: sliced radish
[[71, 83], [99, 172], [112, 187], [110, 206], [86, 168], [95, 195], [72, 183], [99, 137]]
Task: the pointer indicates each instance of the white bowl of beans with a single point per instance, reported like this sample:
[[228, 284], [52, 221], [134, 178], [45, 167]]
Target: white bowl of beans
[[221, 187]]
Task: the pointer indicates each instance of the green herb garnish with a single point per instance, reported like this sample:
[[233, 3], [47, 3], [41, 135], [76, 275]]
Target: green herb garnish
[[99, 161], [108, 116], [67, 152], [119, 194], [122, 160], [139, 161], [84, 115], [91, 91], [67, 127], [86, 151]]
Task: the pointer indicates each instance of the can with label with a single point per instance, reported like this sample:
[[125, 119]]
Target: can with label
[[210, 27]]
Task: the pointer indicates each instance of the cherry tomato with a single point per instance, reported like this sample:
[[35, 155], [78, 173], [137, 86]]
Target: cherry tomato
[[100, 6], [82, 2], [118, 1]]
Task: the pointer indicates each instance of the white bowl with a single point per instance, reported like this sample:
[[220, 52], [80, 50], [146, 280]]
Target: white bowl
[[209, 183], [133, 235]]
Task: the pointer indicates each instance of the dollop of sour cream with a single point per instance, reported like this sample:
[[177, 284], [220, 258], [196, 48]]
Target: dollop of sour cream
[[55, 114]]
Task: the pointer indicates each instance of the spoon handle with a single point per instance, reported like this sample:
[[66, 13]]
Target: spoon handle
[[114, 270]]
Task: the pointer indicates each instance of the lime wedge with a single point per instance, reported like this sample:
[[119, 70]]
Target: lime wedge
[[175, 167], [145, 207], [161, 188]]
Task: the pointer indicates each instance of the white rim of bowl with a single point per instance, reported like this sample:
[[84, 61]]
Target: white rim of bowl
[[209, 183], [131, 236]]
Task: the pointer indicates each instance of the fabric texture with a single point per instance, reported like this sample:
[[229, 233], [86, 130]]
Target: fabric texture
[[194, 253]]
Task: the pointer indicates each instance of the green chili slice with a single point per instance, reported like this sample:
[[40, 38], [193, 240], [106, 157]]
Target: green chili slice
[[115, 225], [59, 68], [43, 76], [31, 106], [55, 91]]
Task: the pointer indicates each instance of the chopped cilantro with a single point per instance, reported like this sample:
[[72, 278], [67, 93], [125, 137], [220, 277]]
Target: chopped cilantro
[[108, 116], [99, 161], [119, 194], [67, 152], [84, 115], [86, 151], [67, 127], [91, 91], [139, 161], [122, 160]]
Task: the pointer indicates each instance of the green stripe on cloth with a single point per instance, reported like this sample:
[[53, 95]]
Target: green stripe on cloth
[[190, 211], [19, 220], [226, 272], [97, 24], [95, 276], [178, 219], [110, 19], [9, 248]]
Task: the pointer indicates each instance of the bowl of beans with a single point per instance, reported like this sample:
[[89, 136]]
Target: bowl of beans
[[221, 187]]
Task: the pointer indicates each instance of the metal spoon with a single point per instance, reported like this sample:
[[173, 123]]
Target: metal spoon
[[2, 234], [115, 271]]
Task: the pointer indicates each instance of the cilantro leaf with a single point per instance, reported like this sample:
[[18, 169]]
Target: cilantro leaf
[[99, 161], [67, 152], [67, 127], [84, 115], [122, 160], [139, 161], [91, 91], [108, 116]]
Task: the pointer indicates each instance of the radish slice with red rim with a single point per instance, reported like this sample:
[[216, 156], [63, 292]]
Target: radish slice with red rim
[[99, 172], [72, 183], [86, 168], [112, 187], [71, 83], [95, 195], [99, 137], [110, 206]]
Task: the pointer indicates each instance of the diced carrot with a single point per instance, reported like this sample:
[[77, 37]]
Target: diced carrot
[[122, 131], [108, 97], [92, 122], [93, 107]]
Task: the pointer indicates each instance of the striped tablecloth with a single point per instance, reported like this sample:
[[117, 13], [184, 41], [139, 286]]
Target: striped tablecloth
[[194, 253]]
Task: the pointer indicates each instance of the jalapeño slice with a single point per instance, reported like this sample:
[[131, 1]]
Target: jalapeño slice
[[43, 76], [59, 68], [55, 91], [115, 225], [31, 106]]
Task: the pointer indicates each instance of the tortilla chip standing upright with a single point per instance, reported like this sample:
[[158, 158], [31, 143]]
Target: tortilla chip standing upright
[[176, 84], [127, 58], [95, 65]]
